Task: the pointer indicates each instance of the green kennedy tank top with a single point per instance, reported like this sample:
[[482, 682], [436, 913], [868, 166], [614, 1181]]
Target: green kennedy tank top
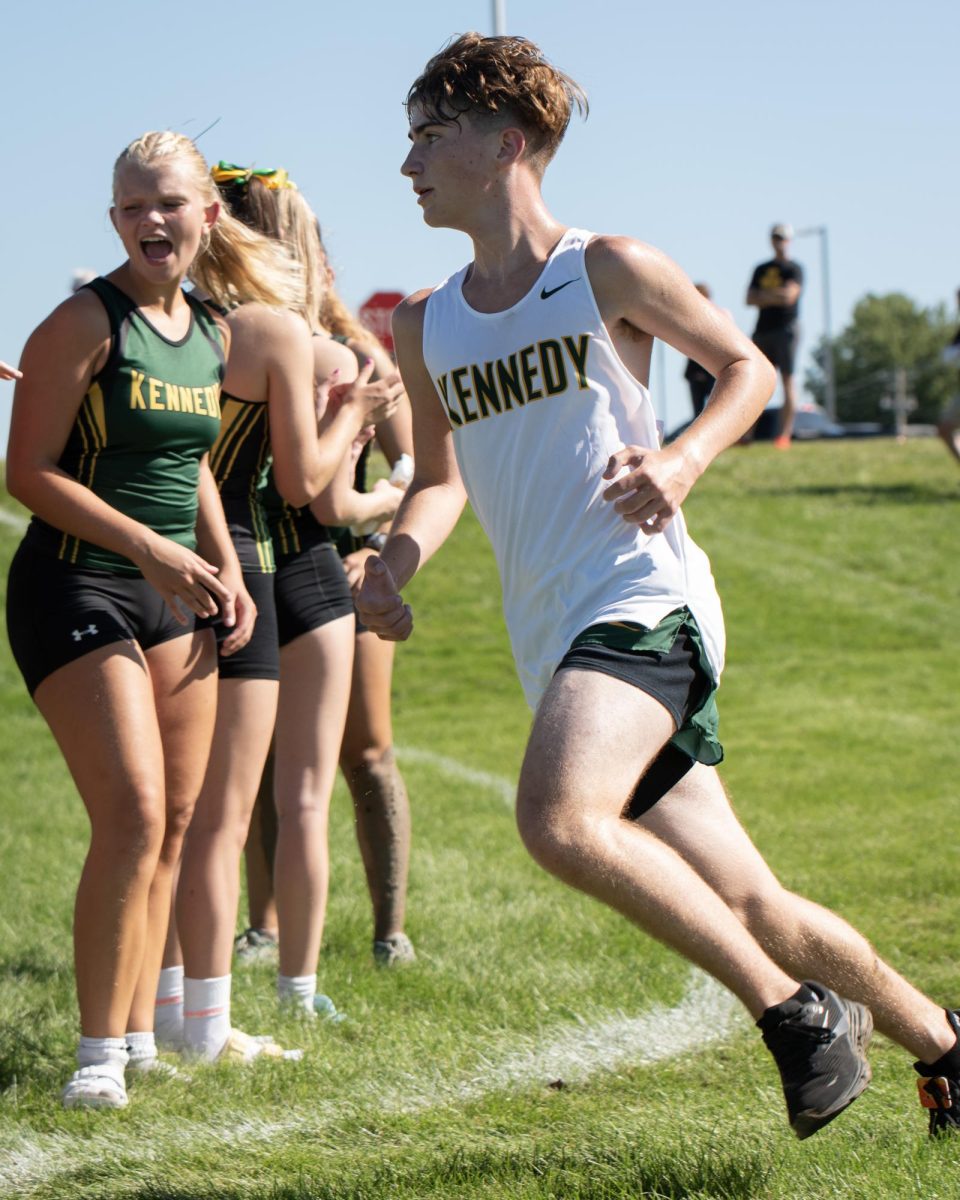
[[148, 418]]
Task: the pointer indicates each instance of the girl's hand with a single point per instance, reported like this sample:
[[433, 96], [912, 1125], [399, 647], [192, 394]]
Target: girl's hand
[[376, 401], [243, 619], [187, 582], [354, 564], [389, 497]]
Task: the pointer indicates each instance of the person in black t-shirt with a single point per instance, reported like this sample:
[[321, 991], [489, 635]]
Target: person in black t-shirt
[[774, 289]]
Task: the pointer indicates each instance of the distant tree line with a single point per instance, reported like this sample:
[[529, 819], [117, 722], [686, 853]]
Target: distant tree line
[[884, 334]]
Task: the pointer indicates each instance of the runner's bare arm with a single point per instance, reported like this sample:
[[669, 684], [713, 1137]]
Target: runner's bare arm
[[8, 372], [434, 500], [640, 290]]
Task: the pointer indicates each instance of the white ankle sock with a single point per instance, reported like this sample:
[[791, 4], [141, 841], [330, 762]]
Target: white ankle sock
[[168, 1008], [108, 1055], [206, 1015], [297, 989], [141, 1047]]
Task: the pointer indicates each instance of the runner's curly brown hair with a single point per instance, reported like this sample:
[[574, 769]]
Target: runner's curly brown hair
[[500, 77]]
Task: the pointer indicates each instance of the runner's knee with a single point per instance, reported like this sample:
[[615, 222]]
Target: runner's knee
[[765, 910], [554, 835]]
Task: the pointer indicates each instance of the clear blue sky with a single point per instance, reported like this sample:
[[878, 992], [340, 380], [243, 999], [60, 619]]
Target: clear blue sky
[[708, 123]]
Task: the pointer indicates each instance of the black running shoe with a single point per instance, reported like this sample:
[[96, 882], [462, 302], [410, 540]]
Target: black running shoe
[[940, 1094], [820, 1050]]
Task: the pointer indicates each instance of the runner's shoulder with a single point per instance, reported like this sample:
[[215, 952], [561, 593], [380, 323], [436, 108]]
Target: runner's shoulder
[[411, 308], [408, 315], [615, 256]]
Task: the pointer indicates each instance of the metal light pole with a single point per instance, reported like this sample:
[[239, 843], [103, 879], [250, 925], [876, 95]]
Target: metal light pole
[[829, 373], [499, 17]]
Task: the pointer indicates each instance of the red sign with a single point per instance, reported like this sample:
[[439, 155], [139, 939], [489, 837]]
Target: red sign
[[376, 312]]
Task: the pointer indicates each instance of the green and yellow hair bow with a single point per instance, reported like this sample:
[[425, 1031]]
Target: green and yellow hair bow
[[273, 178]]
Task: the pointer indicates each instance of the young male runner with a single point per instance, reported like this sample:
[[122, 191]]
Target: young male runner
[[525, 372]]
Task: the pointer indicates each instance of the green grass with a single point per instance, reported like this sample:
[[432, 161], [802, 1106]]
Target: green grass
[[838, 568]]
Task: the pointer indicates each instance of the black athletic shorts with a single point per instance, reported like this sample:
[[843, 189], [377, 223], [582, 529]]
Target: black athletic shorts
[[260, 657], [347, 544], [670, 664], [311, 589], [780, 346], [57, 612]]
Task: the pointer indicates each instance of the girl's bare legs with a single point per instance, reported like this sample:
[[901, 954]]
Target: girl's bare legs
[[259, 854], [381, 806], [208, 891], [112, 744], [184, 676], [315, 676]]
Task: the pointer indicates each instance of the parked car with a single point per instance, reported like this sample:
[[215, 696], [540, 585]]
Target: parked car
[[810, 423]]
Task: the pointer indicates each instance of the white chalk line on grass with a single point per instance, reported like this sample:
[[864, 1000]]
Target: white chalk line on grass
[[707, 1013], [497, 784]]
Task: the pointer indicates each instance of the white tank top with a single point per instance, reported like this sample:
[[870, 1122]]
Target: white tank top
[[538, 399]]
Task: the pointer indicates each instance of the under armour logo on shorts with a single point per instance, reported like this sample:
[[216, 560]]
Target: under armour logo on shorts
[[78, 634]]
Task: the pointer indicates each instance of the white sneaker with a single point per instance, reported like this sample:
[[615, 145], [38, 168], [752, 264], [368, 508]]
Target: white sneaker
[[152, 1066], [242, 1048], [95, 1087]]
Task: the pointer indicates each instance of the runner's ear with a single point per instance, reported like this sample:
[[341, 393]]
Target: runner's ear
[[513, 143]]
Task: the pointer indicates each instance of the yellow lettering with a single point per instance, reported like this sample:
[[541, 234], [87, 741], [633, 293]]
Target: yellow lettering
[[476, 392], [173, 398], [552, 368], [212, 397], [154, 389], [509, 375], [463, 393], [577, 349], [442, 384], [186, 399], [529, 373], [136, 392], [485, 389], [198, 406]]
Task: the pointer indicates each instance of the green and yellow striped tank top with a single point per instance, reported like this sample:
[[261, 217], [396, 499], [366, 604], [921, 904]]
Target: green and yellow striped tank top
[[240, 461], [148, 418]]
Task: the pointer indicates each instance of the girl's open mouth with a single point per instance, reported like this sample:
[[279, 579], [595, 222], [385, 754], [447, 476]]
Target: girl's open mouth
[[156, 249]]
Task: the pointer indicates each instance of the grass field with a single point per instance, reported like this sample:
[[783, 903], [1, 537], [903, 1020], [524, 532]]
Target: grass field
[[542, 1047]]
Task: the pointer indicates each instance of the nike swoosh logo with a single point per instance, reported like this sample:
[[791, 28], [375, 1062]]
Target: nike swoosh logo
[[545, 295]]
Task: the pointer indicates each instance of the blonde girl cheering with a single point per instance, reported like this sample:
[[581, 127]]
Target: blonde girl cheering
[[112, 423]]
